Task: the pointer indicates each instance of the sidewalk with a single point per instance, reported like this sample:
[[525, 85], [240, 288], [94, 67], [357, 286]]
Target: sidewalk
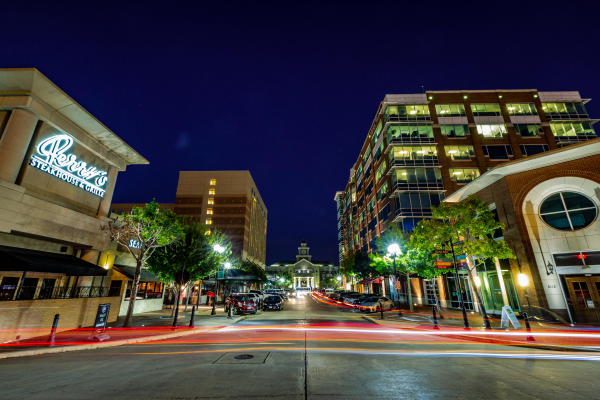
[[548, 336], [146, 327]]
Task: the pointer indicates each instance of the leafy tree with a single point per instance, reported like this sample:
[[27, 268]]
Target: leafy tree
[[141, 232], [254, 268], [189, 259], [470, 224]]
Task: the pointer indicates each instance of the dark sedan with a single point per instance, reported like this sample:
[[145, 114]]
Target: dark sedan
[[273, 302]]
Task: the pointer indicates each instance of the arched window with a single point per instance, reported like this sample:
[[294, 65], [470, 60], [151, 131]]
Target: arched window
[[568, 211]]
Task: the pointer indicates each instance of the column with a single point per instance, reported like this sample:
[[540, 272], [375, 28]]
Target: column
[[14, 143], [104, 207]]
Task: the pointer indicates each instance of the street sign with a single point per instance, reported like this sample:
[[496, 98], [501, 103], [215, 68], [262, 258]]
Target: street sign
[[220, 274], [457, 243], [102, 316], [461, 257], [442, 251]]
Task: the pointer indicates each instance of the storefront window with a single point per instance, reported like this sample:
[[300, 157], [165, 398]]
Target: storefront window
[[490, 288]]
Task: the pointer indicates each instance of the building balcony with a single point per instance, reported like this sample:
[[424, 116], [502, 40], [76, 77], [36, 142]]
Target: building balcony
[[431, 161], [411, 138]]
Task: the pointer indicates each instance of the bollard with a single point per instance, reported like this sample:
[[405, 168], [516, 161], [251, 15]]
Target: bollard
[[528, 327], [53, 330], [381, 310], [192, 317], [399, 310], [435, 321], [229, 311]]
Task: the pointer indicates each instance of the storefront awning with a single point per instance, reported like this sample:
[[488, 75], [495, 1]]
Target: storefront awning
[[145, 275], [16, 259]]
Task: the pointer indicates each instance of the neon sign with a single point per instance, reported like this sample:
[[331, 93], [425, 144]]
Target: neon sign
[[52, 158]]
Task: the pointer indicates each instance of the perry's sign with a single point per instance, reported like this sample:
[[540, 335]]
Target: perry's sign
[[52, 157]]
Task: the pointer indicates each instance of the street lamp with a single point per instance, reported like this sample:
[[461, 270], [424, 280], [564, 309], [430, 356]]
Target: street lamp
[[219, 249], [393, 252]]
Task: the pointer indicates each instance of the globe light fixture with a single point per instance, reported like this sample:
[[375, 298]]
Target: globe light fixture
[[227, 265], [218, 248], [523, 280], [339, 278], [281, 280], [394, 249]]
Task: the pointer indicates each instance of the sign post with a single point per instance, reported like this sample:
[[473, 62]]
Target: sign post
[[101, 321]]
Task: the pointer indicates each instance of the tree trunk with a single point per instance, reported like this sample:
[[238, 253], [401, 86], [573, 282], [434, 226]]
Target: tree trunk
[[189, 294], [133, 293], [176, 316], [410, 304], [437, 298]]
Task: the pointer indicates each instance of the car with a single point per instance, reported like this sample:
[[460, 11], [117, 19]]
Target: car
[[243, 304], [348, 295], [351, 298], [376, 303], [334, 296], [261, 295], [328, 290], [273, 302], [255, 297]]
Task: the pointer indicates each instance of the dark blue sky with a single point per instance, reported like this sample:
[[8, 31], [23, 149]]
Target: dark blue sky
[[286, 91]]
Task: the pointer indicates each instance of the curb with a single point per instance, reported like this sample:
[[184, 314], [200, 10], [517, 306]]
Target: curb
[[503, 342], [92, 346]]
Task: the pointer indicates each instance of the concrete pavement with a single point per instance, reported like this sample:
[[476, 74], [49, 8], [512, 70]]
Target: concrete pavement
[[308, 351]]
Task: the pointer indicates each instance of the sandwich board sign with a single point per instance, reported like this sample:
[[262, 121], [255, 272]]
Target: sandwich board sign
[[509, 317]]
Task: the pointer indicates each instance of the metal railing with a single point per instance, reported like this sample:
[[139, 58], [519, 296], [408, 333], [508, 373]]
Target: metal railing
[[32, 292]]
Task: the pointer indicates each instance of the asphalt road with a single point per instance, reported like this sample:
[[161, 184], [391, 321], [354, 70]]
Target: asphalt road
[[309, 350]]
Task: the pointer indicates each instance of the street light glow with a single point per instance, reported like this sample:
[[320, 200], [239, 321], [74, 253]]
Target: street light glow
[[281, 280], [227, 265], [218, 248], [339, 278], [394, 249], [523, 280]]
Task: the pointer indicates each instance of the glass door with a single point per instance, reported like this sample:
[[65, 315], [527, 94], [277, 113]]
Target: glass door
[[584, 297]]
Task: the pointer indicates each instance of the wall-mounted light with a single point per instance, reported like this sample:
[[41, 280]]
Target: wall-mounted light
[[477, 281], [523, 280], [549, 268]]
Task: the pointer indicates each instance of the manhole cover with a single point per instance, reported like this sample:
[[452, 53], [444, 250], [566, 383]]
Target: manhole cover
[[243, 356]]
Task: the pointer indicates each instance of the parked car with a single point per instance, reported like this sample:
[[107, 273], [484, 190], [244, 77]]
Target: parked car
[[375, 303], [273, 302], [334, 296], [348, 295], [261, 296], [255, 297], [244, 304], [351, 298]]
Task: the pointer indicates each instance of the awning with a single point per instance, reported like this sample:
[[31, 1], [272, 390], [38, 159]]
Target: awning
[[234, 275], [145, 275], [377, 281], [16, 259]]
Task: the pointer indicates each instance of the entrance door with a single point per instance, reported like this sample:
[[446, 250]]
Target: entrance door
[[585, 297], [454, 290]]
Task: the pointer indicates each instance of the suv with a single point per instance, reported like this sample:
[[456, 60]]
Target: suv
[[242, 304]]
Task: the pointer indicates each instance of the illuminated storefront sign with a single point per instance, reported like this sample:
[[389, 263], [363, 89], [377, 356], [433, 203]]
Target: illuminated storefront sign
[[52, 157]]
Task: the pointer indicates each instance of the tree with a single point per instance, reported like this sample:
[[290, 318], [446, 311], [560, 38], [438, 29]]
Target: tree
[[394, 265], [471, 225], [141, 232], [255, 269], [189, 259]]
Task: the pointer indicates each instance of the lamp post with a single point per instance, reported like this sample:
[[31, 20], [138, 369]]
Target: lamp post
[[219, 249], [459, 288], [393, 252]]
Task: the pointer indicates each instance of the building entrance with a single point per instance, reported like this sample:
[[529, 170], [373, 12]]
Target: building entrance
[[453, 290], [585, 297]]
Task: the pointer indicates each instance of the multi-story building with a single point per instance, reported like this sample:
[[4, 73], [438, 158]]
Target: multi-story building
[[229, 201], [422, 147]]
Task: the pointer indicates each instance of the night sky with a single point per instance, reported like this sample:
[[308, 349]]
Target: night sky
[[285, 91]]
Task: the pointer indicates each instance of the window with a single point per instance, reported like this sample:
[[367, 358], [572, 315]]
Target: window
[[463, 175], [414, 153], [213, 182], [417, 203], [576, 110], [521, 109], [568, 211], [531, 149], [417, 176], [371, 205], [454, 130], [211, 201], [528, 129], [572, 129], [380, 171], [498, 152], [353, 197], [484, 110], [459, 152], [406, 111], [491, 130], [211, 192], [382, 192], [409, 132], [377, 154], [450, 110], [209, 211], [208, 221], [377, 132]]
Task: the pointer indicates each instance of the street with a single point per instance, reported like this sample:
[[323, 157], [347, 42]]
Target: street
[[310, 350]]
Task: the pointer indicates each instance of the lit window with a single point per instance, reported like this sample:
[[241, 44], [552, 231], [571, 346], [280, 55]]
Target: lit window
[[211, 201], [213, 182], [208, 221], [454, 130], [209, 211], [450, 110], [521, 109], [491, 130], [484, 110], [463, 175], [459, 152], [572, 129], [568, 211], [211, 192]]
